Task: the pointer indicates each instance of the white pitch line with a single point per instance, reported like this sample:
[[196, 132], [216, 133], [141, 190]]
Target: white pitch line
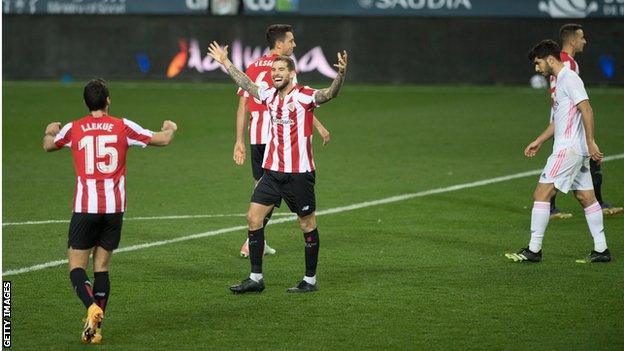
[[53, 221], [318, 213]]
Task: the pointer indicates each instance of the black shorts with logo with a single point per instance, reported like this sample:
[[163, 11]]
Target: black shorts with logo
[[297, 190], [87, 230], [257, 156]]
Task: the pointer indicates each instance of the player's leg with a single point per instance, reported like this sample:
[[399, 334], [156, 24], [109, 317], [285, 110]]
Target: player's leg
[[596, 174], [78, 262], [81, 239], [83, 233], [266, 195], [255, 235], [300, 197], [101, 285], [312, 244], [594, 217], [255, 238], [257, 156], [540, 214], [582, 186], [555, 176], [108, 241]]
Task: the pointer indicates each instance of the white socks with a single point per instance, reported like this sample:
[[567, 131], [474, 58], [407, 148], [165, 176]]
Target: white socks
[[593, 214], [310, 280], [257, 277], [539, 221]]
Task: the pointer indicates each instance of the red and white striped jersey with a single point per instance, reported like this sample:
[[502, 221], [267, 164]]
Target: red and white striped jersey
[[289, 149], [99, 146], [568, 61], [259, 72]]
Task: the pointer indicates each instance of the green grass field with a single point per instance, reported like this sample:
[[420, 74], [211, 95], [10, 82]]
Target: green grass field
[[423, 273]]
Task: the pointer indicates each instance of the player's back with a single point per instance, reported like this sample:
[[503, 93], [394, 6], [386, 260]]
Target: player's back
[[99, 146]]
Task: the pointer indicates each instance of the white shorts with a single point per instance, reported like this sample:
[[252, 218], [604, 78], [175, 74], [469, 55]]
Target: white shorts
[[567, 170]]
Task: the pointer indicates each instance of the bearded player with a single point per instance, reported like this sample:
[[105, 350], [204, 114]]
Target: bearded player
[[281, 41], [567, 168], [288, 161]]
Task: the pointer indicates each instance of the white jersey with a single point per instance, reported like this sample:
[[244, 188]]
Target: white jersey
[[569, 61], [569, 129]]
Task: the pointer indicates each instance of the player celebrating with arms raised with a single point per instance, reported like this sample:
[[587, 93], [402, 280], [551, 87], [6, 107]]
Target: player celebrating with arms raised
[[99, 143], [287, 160], [281, 41], [572, 125]]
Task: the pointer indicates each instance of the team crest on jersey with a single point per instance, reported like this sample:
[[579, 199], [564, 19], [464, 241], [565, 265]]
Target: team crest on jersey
[[291, 107]]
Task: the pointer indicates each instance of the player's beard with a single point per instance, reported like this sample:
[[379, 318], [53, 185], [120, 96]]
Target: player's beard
[[548, 71], [281, 85]]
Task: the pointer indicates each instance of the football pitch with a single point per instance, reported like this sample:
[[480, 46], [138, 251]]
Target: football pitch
[[420, 193]]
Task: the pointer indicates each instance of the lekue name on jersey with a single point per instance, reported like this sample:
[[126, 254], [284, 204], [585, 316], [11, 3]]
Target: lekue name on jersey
[[97, 126]]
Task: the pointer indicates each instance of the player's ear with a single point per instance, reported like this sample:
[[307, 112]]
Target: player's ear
[[108, 100]]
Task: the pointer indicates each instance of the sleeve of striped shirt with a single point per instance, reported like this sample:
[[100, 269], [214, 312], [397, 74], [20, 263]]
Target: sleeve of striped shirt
[[137, 135], [63, 138], [306, 98], [265, 93]]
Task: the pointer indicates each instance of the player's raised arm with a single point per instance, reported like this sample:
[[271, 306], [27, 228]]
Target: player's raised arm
[[164, 137], [50, 134], [324, 95], [219, 54]]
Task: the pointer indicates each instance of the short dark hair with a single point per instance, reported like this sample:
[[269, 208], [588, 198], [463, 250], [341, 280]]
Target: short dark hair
[[568, 30], [545, 48], [95, 94], [289, 62], [277, 32]]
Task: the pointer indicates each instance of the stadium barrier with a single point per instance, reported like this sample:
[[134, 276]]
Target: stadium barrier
[[394, 50]]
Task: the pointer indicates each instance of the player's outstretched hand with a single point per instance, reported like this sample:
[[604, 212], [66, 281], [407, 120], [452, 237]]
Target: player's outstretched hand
[[169, 125], [239, 153], [532, 149], [218, 53], [342, 62], [53, 128], [594, 151]]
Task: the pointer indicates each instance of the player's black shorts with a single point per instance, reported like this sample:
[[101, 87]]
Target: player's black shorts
[[257, 155], [87, 230], [297, 190]]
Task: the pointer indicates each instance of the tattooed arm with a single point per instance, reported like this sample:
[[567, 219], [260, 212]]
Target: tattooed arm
[[323, 95], [219, 54]]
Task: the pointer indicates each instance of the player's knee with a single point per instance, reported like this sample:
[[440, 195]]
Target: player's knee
[[307, 224], [100, 267], [586, 198], [543, 193], [254, 221], [540, 196]]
